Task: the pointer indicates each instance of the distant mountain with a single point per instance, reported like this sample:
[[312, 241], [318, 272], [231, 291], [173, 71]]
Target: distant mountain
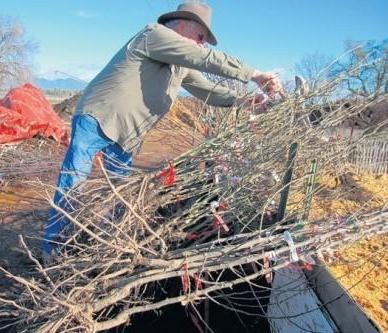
[[59, 80]]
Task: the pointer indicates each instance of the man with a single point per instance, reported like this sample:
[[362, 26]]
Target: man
[[137, 87]]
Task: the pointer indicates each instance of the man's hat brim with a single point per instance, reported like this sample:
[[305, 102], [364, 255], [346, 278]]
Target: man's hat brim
[[179, 14]]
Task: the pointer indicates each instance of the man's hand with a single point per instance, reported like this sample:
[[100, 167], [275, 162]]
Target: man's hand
[[254, 104], [256, 100], [252, 101], [269, 83]]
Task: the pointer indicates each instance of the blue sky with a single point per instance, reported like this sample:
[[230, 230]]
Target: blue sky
[[79, 37]]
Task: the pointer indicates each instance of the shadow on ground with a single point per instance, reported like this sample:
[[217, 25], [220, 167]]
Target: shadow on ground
[[28, 224]]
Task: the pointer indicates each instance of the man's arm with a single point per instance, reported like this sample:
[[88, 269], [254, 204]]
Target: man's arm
[[165, 45], [211, 93]]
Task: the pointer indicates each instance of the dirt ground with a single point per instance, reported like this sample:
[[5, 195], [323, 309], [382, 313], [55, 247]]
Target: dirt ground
[[22, 212], [362, 267], [175, 134]]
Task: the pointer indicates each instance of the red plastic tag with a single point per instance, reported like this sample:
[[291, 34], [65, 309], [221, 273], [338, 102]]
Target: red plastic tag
[[168, 175]]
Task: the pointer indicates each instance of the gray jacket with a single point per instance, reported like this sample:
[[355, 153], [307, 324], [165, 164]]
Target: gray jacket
[[138, 86]]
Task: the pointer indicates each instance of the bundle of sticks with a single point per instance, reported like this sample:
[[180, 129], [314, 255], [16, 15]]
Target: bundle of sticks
[[222, 206]]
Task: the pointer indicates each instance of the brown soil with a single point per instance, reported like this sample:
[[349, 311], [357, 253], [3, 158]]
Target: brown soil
[[363, 269], [67, 107], [354, 193], [23, 211], [175, 134]]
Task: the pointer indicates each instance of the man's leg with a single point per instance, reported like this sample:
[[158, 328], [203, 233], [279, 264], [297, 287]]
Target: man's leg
[[117, 161], [87, 140]]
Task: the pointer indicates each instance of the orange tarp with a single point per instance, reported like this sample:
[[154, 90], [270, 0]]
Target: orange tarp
[[25, 112]]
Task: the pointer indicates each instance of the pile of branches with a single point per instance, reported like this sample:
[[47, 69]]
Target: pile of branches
[[219, 207], [32, 159]]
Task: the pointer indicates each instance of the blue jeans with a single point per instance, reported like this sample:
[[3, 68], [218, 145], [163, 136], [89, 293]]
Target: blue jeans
[[87, 139]]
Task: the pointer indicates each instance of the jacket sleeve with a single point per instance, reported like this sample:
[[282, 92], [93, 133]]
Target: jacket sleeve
[[211, 93], [165, 45]]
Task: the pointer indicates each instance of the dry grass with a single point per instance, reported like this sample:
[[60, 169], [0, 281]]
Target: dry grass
[[362, 267]]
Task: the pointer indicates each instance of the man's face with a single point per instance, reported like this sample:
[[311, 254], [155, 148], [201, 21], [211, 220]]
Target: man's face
[[192, 30]]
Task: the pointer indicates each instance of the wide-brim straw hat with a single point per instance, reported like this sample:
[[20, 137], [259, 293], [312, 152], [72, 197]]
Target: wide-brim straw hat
[[198, 12]]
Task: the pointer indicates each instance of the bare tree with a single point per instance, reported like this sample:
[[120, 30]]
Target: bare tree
[[369, 78], [15, 53], [311, 67]]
